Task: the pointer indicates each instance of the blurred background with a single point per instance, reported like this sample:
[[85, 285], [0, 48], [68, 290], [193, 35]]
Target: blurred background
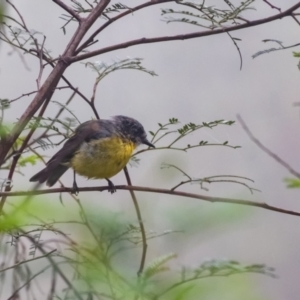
[[198, 80]]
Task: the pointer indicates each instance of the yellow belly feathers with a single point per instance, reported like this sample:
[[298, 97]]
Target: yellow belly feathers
[[102, 158]]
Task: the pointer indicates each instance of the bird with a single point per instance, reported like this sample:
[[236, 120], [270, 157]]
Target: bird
[[99, 149]]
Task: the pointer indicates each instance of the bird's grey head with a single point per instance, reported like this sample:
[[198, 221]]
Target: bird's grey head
[[132, 129]]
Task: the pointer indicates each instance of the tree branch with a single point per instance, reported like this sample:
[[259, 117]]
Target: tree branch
[[68, 9], [52, 80], [142, 227], [193, 35], [154, 190], [90, 40]]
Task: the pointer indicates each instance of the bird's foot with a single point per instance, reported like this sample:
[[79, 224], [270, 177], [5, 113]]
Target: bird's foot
[[75, 189], [111, 186]]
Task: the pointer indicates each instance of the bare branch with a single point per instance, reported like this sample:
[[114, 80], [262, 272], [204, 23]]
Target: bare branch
[[193, 35], [142, 227], [154, 190], [68, 9], [266, 150], [294, 17], [38, 81], [33, 92], [91, 41], [238, 49], [272, 6]]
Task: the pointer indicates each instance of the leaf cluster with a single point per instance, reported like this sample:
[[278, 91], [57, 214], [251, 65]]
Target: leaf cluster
[[93, 259], [209, 17]]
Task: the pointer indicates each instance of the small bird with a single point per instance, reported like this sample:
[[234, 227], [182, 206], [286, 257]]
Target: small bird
[[98, 149]]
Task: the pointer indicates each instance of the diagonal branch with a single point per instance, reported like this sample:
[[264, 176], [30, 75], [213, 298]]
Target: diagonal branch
[[193, 35], [266, 150], [90, 40], [68, 9], [27, 261], [295, 18]]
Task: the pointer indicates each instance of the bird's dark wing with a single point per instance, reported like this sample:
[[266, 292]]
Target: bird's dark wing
[[57, 165], [87, 131]]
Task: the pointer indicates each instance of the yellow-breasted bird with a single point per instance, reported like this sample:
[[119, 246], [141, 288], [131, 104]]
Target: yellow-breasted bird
[[98, 149]]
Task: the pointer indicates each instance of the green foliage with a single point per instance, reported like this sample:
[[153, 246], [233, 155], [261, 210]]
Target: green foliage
[[292, 183], [229, 267], [163, 131], [31, 160], [94, 256], [103, 69], [281, 47], [4, 104], [86, 7], [269, 49], [2, 8], [210, 269], [4, 130], [47, 123], [168, 129], [157, 266], [210, 17], [117, 7], [229, 288], [296, 54]]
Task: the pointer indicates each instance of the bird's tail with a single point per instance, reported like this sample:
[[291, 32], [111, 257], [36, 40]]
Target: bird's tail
[[50, 175]]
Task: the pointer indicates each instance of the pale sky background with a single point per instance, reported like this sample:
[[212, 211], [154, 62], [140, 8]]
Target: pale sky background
[[199, 80]]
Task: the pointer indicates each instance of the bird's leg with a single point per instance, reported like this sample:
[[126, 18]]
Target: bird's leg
[[111, 186], [75, 189]]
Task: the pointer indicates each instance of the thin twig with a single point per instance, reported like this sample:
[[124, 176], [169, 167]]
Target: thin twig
[[33, 92], [272, 6], [266, 150], [238, 49], [54, 266], [12, 297], [24, 25], [55, 118], [140, 220], [41, 52], [201, 181], [27, 261], [53, 285], [19, 14], [294, 17], [94, 91], [75, 89]]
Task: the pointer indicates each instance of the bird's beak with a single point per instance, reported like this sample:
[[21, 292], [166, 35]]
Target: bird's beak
[[146, 142]]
